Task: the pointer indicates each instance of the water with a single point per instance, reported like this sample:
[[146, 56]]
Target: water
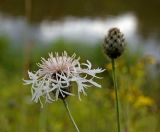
[[85, 21]]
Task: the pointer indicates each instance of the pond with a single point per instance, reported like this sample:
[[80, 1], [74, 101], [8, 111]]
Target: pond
[[82, 20]]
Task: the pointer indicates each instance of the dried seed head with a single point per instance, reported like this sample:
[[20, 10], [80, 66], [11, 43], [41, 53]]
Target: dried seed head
[[114, 43]]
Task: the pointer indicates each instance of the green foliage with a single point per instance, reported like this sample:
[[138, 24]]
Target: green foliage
[[95, 113]]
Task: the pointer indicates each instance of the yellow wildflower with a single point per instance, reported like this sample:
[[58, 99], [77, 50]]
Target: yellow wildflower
[[143, 101]]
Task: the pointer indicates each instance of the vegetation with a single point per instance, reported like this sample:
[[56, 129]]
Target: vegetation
[[138, 79]]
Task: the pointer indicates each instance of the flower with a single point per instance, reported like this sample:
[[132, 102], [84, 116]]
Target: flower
[[53, 78], [143, 101], [114, 43]]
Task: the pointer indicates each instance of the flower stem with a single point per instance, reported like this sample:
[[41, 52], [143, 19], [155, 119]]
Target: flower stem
[[116, 94], [69, 114]]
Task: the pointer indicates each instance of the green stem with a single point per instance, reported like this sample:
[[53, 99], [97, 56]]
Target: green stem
[[43, 119], [69, 114], [116, 93]]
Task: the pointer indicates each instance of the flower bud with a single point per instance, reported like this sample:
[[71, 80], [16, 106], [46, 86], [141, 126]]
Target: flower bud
[[114, 43]]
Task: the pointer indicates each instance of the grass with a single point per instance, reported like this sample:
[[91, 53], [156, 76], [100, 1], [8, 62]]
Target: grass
[[96, 111]]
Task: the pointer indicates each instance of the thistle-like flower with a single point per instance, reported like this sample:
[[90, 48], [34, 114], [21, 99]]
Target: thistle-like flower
[[114, 43], [114, 46], [54, 77]]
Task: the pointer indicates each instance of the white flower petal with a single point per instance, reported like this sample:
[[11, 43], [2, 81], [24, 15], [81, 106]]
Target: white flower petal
[[56, 73]]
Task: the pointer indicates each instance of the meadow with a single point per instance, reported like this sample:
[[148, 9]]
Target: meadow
[[138, 81]]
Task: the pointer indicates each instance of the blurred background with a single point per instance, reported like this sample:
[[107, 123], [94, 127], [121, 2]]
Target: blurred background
[[29, 29]]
